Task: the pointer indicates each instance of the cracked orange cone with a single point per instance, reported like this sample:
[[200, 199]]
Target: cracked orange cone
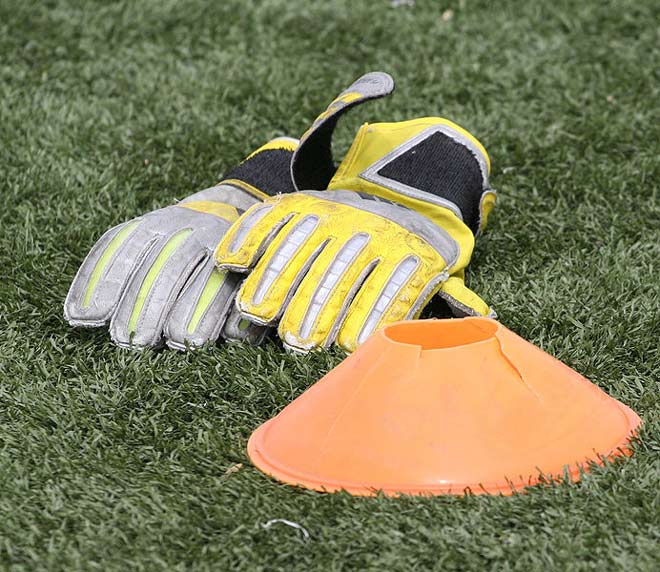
[[443, 407]]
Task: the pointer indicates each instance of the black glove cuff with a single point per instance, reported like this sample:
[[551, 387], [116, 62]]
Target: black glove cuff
[[443, 167], [268, 171]]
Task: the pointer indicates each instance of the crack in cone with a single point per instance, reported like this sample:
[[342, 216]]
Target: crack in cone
[[443, 407]]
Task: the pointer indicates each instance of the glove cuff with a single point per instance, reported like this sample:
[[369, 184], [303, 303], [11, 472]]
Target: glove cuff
[[441, 164], [424, 163], [267, 171]]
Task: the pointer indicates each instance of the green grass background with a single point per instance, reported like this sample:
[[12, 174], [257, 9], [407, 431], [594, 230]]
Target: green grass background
[[111, 460]]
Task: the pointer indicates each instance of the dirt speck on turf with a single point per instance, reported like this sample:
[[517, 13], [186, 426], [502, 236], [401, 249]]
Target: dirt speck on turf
[[233, 469]]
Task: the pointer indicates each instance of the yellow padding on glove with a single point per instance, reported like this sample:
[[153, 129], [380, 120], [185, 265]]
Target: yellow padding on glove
[[353, 333], [293, 320], [487, 205], [221, 210], [272, 287], [456, 289]]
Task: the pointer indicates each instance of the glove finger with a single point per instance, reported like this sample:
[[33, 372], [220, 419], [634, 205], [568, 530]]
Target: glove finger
[[392, 292], [152, 290], [238, 329], [463, 301], [100, 281], [317, 309], [244, 244], [200, 310], [267, 290]]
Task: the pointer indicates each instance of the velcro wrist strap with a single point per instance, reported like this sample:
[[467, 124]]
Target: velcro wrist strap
[[312, 166], [439, 165]]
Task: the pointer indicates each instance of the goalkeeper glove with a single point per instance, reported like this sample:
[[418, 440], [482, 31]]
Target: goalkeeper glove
[[395, 226], [153, 279]]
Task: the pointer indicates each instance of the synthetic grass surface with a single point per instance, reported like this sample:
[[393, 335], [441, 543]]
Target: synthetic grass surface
[[111, 460]]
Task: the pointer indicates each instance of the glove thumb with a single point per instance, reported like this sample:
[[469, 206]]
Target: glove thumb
[[463, 301]]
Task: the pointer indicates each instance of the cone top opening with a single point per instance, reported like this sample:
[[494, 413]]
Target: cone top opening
[[432, 335]]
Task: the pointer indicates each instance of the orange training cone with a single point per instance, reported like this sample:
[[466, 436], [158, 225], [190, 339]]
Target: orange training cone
[[442, 406]]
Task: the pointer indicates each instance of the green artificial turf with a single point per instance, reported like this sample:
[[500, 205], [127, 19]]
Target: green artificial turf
[[112, 460]]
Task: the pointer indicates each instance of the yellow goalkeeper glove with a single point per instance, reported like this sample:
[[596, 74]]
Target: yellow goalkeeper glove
[[395, 225]]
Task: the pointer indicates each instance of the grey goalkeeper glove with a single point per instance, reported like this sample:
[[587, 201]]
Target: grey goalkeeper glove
[[153, 279]]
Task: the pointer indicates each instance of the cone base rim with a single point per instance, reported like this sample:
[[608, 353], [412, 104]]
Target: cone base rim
[[573, 471]]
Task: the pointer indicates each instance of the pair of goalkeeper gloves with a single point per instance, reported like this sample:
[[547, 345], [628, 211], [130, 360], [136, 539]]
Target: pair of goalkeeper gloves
[[327, 254]]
